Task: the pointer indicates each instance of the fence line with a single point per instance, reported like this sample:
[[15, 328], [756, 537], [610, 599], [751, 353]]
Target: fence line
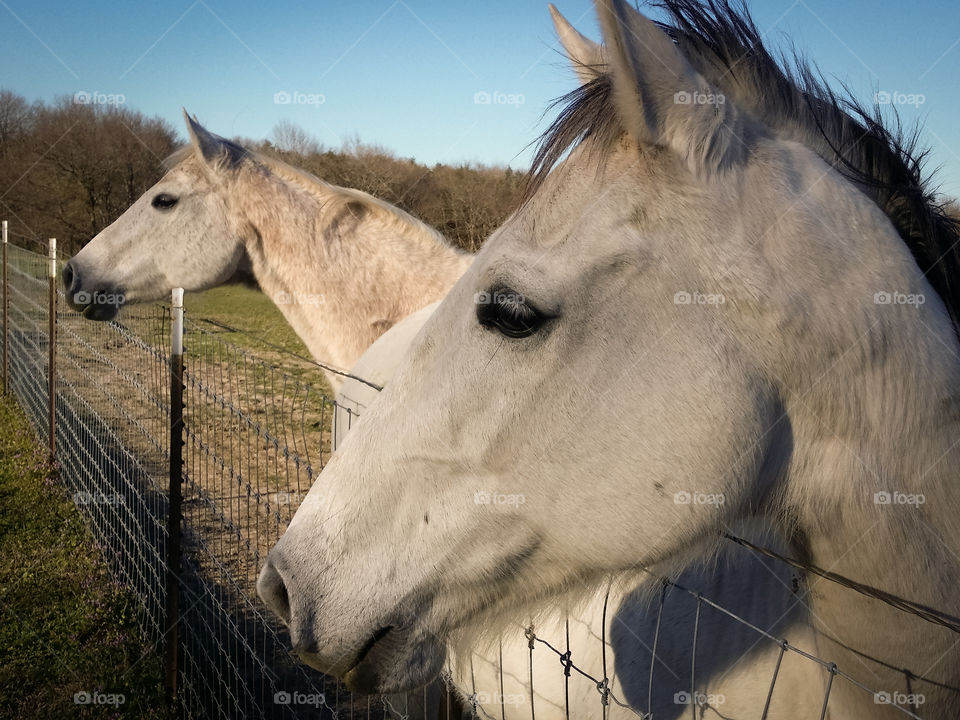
[[175, 492], [188, 457], [99, 395]]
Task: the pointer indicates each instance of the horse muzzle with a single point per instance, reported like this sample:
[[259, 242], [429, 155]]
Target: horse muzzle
[[96, 303], [399, 656]]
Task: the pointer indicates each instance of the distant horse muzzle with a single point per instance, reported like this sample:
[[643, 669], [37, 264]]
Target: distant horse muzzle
[[98, 303]]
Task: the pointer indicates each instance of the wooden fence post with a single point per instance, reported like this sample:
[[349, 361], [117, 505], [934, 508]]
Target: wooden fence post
[[6, 315], [174, 513], [52, 346]]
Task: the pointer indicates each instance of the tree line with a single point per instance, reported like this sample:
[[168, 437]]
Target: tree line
[[69, 169]]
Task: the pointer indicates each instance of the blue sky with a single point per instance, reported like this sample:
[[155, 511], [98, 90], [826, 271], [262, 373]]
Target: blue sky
[[404, 73]]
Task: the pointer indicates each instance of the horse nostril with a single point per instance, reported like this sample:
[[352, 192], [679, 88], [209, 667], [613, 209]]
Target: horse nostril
[[273, 591], [70, 276]]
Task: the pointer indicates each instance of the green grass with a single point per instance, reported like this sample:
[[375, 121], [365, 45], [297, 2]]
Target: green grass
[[65, 626], [253, 323], [250, 311]]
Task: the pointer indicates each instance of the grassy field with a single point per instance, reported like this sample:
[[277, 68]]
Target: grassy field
[[68, 631], [261, 326], [249, 319]]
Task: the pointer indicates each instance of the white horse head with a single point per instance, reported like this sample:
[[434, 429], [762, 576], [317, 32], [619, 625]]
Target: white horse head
[[693, 321], [180, 233], [342, 266]]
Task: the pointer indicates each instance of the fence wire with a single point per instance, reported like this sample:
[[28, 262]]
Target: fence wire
[[255, 438], [110, 419]]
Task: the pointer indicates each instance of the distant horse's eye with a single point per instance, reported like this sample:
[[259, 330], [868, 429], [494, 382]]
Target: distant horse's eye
[[164, 201], [508, 313]]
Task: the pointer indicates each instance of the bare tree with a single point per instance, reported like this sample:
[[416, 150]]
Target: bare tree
[[288, 137], [71, 169]]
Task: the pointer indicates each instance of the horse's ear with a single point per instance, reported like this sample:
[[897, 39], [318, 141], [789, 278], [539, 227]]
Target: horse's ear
[[662, 100], [585, 55], [219, 152]]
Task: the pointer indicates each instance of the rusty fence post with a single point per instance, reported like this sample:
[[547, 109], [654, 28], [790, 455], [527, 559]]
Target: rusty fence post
[[6, 315], [52, 346], [174, 513]]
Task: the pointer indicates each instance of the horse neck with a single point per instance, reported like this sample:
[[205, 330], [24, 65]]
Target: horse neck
[[340, 279], [889, 426]]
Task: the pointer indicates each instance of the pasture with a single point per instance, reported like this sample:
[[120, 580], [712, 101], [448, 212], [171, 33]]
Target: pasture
[[69, 642], [254, 437]]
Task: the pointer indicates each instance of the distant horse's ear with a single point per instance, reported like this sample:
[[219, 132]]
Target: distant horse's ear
[[585, 55], [662, 100], [217, 151]]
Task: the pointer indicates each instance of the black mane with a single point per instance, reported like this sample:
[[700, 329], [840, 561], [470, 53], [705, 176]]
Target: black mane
[[790, 96]]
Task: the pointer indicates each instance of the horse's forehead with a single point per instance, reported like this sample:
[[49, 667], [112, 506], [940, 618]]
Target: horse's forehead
[[518, 259], [593, 193], [188, 169]]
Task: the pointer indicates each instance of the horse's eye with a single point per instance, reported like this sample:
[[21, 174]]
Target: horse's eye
[[508, 313], [164, 201]]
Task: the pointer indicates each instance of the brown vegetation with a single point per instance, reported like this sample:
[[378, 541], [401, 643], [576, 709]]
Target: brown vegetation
[[67, 170]]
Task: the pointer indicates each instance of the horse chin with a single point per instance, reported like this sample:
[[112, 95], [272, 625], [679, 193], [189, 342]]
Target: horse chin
[[399, 661], [101, 312]]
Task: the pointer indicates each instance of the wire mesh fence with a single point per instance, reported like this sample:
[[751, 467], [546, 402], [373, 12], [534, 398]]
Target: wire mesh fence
[[254, 439]]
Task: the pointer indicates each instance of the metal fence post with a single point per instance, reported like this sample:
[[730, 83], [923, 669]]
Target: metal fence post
[[6, 314], [52, 337], [174, 514]]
